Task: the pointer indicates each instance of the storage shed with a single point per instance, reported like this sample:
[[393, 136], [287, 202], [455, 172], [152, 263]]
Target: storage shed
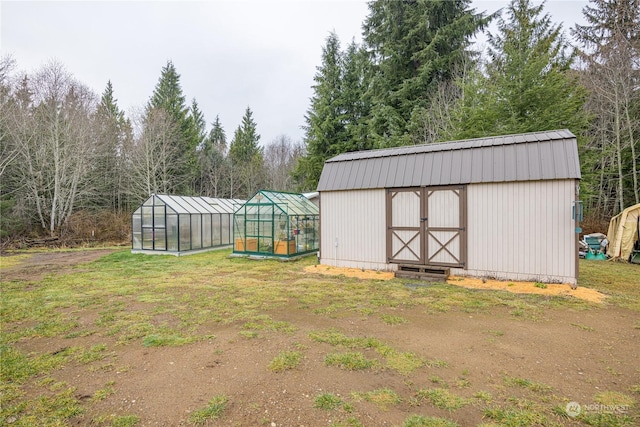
[[497, 207], [276, 224], [177, 224]]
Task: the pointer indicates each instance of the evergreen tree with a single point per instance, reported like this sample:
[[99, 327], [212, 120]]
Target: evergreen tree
[[355, 103], [213, 162], [528, 85], [169, 98], [414, 45], [325, 132], [113, 139], [246, 158]]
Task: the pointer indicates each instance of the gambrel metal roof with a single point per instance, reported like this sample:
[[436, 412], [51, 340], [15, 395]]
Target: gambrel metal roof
[[524, 157]]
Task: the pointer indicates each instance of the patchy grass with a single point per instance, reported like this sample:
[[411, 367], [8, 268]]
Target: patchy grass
[[442, 398], [393, 320], [285, 361], [212, 411], [160, 302], [327, 401], [422, 421], [620, 280], [351, 361], [383, 398]]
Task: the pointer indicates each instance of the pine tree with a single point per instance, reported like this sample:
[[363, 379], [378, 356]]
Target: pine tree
[[113, 138], [213, 162], [355, 103], [325, 132], [169, 98], [528, 85], [414, 45], [246, 157]]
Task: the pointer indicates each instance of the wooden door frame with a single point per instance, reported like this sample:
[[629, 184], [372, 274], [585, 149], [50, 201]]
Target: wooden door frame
[[461, 191], [423, 194]]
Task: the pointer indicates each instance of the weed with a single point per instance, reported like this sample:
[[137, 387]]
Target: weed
[[635, 389], [614, 398], [540, 285], [495, 333], [515, 417], [349, 422], [327, 401], [165, 341], [393, 320], [248, 334], [605, 419], [442, 398], [212, 411], [422, 421], [463, 383], [484, 396], [125, 421], [382, 398], [528, 384], [351, 361], [96, 352], [105, 392], [437, 380], [285, 360]]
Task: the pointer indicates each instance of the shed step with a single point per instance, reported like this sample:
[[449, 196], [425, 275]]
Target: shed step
[[422, 272]]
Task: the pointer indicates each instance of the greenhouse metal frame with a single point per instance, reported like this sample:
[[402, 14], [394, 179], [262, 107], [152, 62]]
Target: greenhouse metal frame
[[276, 224], [177, 225]]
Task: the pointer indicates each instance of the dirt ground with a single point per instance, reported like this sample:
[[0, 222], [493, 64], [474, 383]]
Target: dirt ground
[[577, 353]]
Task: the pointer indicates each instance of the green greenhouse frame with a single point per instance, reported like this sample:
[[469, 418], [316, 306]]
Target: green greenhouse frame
[[177, 225], [276, 224]]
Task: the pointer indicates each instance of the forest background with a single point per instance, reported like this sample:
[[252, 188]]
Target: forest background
[[74, 165]]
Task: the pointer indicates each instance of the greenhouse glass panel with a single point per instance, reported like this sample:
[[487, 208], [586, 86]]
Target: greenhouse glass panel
[[216, 228], [159, 241], [225, 227], [136, 227], [184, 221], [276, 224], [206, 230], [172, 233], [147, 238], [196, 231]]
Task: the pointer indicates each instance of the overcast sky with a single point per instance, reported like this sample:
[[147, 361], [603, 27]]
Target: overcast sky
[[229, 54]]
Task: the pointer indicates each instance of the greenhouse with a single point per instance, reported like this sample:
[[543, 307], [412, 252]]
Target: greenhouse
[[276, 224], [177, 225]]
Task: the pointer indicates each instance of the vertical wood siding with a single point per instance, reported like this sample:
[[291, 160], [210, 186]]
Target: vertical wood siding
[[522, 231], [356, 219]]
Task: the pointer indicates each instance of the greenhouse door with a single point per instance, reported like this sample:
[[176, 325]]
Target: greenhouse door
[[259, 228], [427, 226]]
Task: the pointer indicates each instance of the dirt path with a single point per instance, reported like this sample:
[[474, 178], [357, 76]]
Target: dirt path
[[40, 263]]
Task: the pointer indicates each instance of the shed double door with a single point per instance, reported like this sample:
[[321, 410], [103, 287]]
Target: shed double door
[[427, 226]]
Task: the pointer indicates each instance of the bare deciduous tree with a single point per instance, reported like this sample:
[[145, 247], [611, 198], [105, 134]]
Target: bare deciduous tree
[[50, 129], [280, 158], [152, 154]]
